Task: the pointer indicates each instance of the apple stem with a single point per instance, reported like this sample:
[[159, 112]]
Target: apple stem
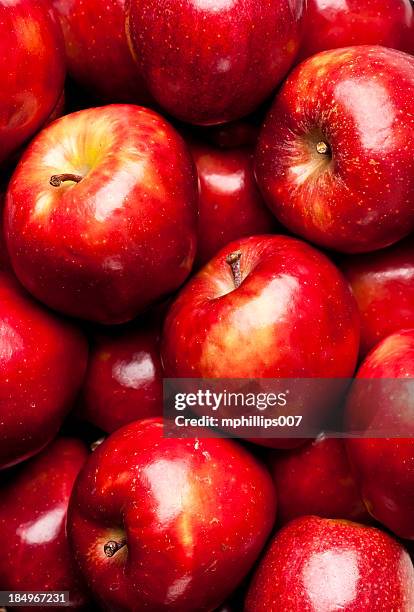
[[323, 148], [112, 547], [57, 179], [234, 262], [97, 443]]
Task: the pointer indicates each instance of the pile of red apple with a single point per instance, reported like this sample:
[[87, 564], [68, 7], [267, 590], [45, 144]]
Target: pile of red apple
[[205, 189]]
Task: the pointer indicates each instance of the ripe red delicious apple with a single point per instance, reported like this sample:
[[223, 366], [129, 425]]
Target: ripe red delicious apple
[[335, 159], [209, 62], [239, 133], [330, 24], [381, 409], [266, 307], [168, 524], [230, 205], [316, 479], [100, 215], [97, 52], [321, 565], [29, 89], [383, 285], [42, 362], [35, 553], [124, 377]]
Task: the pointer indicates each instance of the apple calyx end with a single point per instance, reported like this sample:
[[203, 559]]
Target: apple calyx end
[[233, 260], [111, 547], [323, 148], [57, 179]]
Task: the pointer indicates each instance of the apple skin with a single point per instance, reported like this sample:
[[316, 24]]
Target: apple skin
[[230, 205], [42, 363], [329, 24], [29, 90], [292, 303], [33, 523], [359, 195], [384, 466], [316, 479], [196, 514], [204, 63], [383, 286], [124, 378], [316, 564], [108, 247], [102, 62]]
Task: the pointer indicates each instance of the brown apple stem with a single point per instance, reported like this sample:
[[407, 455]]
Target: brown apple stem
[[57, 179], [112, 547], [97, 443], [323, 148], [234, 262]]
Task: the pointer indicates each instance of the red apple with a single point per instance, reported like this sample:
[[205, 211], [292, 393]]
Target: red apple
[[381, 411], [35, 553], [335, 159], [239, 133], [42, 363], [316, 479], [32, 70], [97, 52], [266, 307], [230, 204], [209, 62], [321, 565], [100, 215], [383, 285], [168, 524], [124, 378], [330, 24]]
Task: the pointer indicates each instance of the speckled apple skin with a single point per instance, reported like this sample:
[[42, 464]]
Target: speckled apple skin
[[316, 479], [316, 565], [329, 24], [359, 101], [292, 316], [384, 467], [196, 514], [230, 205], [97, 51], [36, 555], [123, 382], [212, 61], [383, 286], [108, 247], [29, 89], [42, 364]]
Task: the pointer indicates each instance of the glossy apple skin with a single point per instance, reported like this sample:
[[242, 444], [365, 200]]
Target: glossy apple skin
[[384, 466], [383, 286], [316, 479], [124, 378], [329, 24], [357, 101], [196, 514], [29, 89], [317, 564], [102, 62], [204, 63], [230, 205], [293, 316], [291, 304], [108, 247], [33, 523], [42, 363]]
